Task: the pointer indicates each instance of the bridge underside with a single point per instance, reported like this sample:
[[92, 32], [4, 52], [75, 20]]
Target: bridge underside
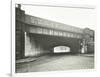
[[37, 44]]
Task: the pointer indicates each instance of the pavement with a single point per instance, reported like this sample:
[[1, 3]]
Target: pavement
[[30, 59], [55, 63], [25, 60], [91, 55]]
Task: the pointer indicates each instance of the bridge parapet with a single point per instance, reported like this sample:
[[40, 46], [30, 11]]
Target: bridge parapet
[[32, 20], [52, 32]]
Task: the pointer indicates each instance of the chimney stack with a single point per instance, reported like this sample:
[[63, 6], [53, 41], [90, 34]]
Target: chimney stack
[[19, 6]]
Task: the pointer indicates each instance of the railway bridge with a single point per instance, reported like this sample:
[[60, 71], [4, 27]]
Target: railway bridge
[[36, 36]]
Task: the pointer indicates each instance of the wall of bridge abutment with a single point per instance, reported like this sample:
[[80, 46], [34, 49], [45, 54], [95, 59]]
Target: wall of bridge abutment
[[33, 47]]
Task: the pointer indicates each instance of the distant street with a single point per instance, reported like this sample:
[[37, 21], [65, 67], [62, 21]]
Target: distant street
[[57, 62]]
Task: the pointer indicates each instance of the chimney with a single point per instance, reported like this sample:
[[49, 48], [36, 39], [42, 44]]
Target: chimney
[[19, 6]]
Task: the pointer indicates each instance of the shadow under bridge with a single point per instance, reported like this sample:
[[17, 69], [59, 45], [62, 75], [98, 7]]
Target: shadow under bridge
[[38, 44]]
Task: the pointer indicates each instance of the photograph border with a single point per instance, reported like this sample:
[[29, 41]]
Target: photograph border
[[13, 43]]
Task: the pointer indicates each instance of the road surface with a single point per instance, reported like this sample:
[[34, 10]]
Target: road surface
[[56, 62]]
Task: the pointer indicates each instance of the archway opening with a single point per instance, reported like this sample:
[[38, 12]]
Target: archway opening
[[61, 49]]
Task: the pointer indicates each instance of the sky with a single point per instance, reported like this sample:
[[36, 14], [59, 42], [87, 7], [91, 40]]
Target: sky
[[78, 17]]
